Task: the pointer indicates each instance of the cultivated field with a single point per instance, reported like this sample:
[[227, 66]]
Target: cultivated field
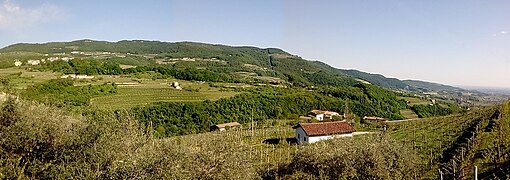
[[133, 92], [408, 114], [433, 138], [414, 101], [21, 78]]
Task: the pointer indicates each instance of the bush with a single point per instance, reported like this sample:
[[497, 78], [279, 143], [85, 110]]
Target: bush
[[370, 158], [40, 142]]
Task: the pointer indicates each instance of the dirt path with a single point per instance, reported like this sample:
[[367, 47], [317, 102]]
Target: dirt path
[[404, 120]]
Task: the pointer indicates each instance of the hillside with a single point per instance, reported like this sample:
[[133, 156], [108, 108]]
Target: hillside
[[40, 142], [377, 79], [432, 86], [267, 64]]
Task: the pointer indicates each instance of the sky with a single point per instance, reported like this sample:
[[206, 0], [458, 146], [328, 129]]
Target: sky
[[455, 42]]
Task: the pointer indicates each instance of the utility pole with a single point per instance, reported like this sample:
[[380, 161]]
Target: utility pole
[[252, 122]]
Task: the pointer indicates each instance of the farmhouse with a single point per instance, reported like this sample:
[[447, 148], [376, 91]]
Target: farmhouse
[[313, 132], [223, 127], [320, 115]]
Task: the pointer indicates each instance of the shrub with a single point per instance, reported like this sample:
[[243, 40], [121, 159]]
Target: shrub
[[373, 157]]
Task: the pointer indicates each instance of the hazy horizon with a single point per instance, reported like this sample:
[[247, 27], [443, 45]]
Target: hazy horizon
[[459, 43]]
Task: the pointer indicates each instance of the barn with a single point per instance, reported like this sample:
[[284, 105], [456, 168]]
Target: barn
[[313, 132]]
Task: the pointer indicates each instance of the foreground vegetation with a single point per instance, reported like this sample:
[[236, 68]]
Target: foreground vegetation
[[37, 141], [42, 142]]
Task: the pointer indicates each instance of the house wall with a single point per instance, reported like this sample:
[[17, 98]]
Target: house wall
[[301, 136], [314, 139], [320, 117]]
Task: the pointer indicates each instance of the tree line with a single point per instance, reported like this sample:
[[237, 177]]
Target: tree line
[[62, 92], [173, 118]]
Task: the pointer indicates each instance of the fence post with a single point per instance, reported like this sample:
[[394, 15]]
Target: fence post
[[440, 174], [476, 173]]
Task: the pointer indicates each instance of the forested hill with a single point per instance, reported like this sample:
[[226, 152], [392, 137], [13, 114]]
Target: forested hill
[[431, 86], [266, 64], [376, 79]]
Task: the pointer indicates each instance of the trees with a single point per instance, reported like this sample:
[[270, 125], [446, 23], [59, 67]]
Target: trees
[[265, 103], [61, 92]]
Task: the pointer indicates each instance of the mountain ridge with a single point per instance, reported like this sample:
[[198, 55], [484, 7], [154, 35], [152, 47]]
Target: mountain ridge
[[282, 64]]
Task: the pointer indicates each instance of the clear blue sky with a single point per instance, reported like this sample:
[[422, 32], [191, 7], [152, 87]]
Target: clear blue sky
[[459, 42]]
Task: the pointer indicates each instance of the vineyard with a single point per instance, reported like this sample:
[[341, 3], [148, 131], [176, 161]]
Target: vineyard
[[450, 146]]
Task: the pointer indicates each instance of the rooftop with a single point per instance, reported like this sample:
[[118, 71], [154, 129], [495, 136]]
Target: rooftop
[[326, 128], [315, 111]]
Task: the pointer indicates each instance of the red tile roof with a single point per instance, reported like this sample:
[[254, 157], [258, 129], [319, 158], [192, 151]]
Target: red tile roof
[[326, 128]]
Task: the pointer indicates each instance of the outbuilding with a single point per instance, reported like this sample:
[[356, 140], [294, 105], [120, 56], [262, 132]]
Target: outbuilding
[[321, 115], [313, 132]]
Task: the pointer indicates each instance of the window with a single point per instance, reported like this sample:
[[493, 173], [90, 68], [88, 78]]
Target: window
[[304, 138], [298, 136]]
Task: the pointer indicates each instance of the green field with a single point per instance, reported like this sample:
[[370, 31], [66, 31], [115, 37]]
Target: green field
[[415, 100], [133, 92], [27, 77], [128, 97], [408, 114]]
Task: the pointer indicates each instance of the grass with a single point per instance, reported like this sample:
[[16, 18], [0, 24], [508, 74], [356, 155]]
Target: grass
[[241, 152], [27, 78], [414, 101], [134, 92], [128, 97], [431, 136], [115, 146], [408, 114], [241, 148]]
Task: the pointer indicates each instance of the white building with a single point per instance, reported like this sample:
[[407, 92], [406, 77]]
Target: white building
[[33, 62], [176, 85], [313, 132], [67, 58], [320, 115], [83, 76], [53, 59], [18, 63], [77, 76]]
